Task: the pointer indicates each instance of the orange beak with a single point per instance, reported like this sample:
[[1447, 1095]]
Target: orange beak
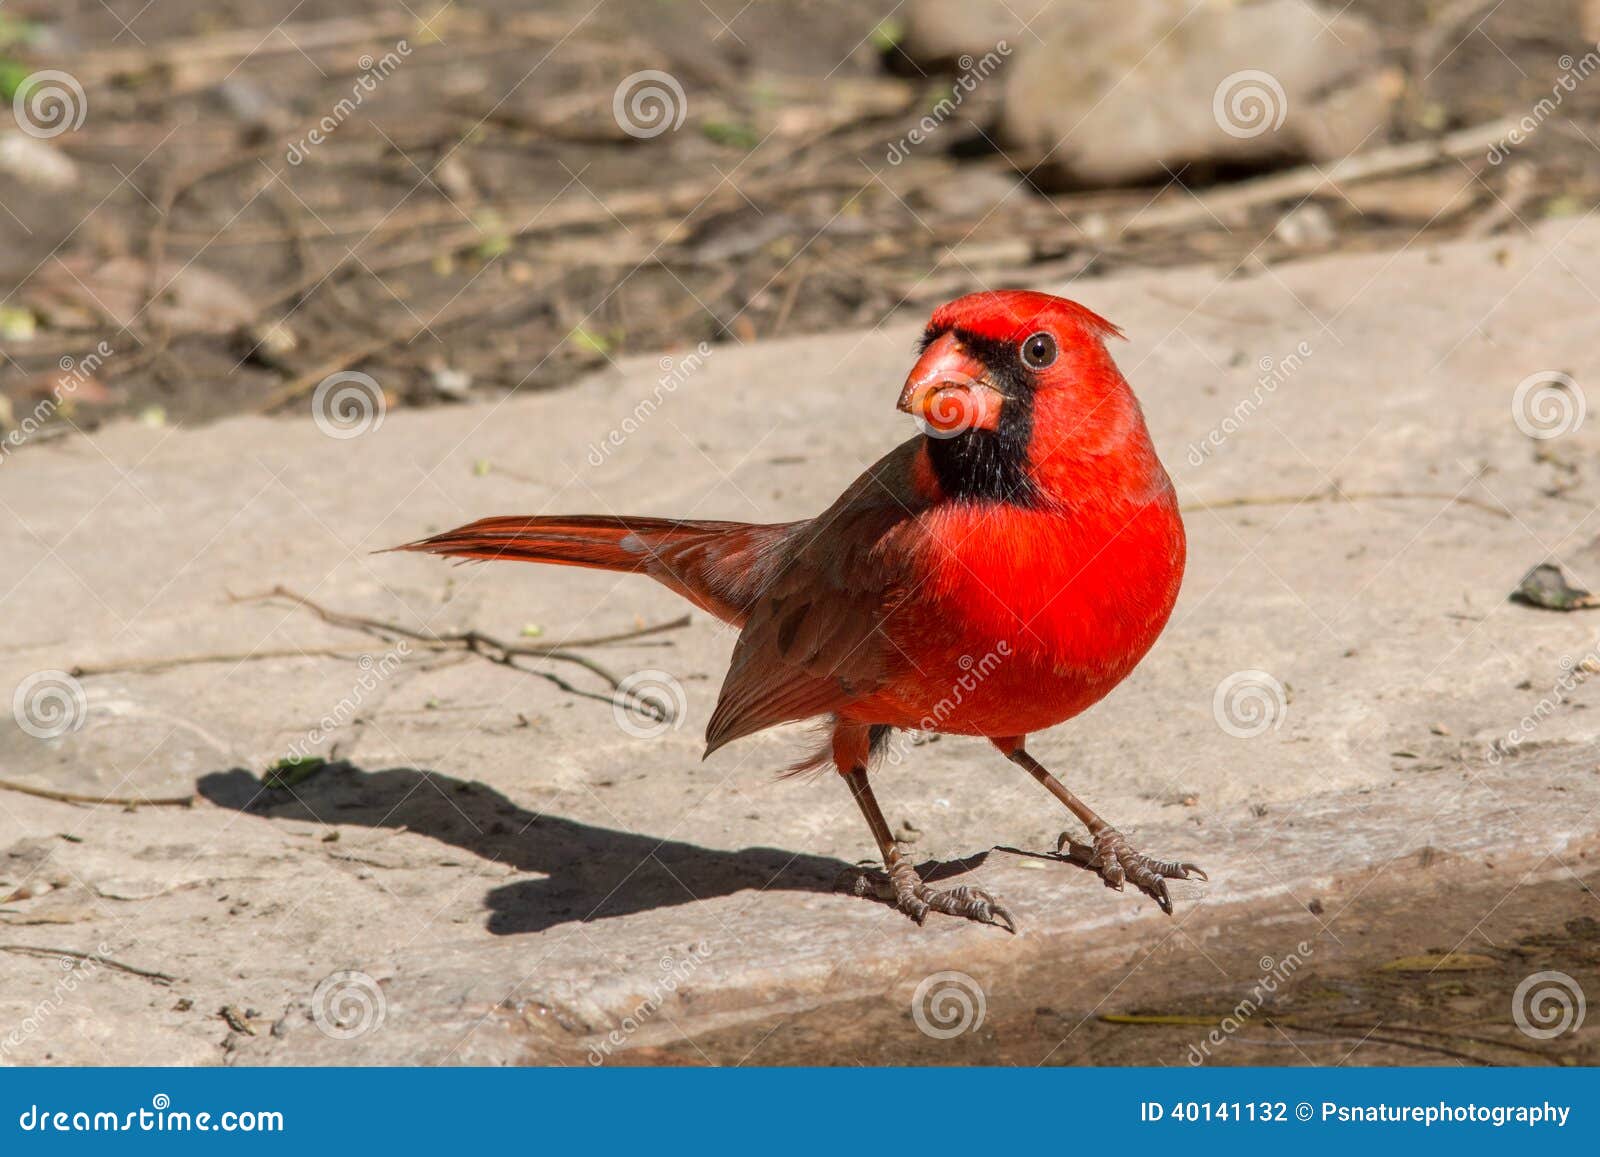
[[949, 391]]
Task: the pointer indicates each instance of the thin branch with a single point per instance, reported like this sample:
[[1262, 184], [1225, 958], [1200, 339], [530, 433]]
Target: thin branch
[[487, 646], [74, 954], [1334, 494], [1308, 180], [110, 800], [82, 670]]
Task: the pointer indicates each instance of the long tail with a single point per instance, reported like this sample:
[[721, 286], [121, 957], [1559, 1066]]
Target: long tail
[[717, 565]]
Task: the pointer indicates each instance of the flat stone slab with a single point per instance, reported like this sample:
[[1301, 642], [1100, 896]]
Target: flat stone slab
[[1370, 749]]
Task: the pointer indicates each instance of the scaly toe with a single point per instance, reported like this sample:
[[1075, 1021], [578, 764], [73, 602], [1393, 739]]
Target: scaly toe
[[1117, 863], [970, 904], [858, 881]]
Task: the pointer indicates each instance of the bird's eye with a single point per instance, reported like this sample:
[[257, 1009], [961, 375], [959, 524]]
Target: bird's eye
[[1039, 351]]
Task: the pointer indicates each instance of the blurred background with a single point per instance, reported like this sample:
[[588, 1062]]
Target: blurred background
[[208, 208]]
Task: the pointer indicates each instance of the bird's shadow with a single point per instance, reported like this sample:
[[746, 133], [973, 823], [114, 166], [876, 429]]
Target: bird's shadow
[[589, 872]]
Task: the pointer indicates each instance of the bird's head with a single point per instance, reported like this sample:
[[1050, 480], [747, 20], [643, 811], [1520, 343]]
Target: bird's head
[[1006, 380]]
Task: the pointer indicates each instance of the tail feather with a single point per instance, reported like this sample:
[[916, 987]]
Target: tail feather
[[716, 565], [605, 543]]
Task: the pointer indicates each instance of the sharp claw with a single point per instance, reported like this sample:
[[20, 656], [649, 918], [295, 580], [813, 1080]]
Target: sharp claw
[[1111, 857], [914, 898]]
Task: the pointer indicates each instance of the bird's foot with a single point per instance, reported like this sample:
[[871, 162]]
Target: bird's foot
[[916, 899], [906, 890], [1116, 861]]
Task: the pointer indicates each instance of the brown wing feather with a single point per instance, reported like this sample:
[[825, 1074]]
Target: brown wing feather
[[812, 642]]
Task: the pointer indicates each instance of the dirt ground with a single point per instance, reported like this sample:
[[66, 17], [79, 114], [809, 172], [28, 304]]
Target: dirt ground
[[480, 224]]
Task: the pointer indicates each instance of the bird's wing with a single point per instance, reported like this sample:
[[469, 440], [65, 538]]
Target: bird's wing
[[813, 641]]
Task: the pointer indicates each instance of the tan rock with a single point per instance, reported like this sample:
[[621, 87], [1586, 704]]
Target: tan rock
[[1109, 101]]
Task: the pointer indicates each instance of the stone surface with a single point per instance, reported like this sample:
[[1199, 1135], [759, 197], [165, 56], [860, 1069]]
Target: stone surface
[[938, 33], [1169, 83], [511, 876]]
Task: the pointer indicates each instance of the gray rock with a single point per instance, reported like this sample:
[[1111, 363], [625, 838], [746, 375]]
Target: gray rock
[[1169, 84], [515, 878], [36, 162], [939, 32]]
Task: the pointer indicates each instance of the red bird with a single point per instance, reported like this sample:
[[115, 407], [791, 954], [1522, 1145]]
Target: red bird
[[995, 575]]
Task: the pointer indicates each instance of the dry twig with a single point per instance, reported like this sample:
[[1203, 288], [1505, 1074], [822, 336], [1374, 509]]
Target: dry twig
[[110, 800], [74, 954], [1234, 200], [476, 642]]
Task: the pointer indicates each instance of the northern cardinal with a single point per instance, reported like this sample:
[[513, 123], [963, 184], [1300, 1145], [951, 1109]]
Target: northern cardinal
[[995, 575]]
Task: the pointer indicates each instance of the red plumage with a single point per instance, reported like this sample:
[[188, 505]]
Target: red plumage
[[1030, 535]]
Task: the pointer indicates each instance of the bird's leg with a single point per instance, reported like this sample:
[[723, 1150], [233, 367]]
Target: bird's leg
[[911, 895], [1108, 851]]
